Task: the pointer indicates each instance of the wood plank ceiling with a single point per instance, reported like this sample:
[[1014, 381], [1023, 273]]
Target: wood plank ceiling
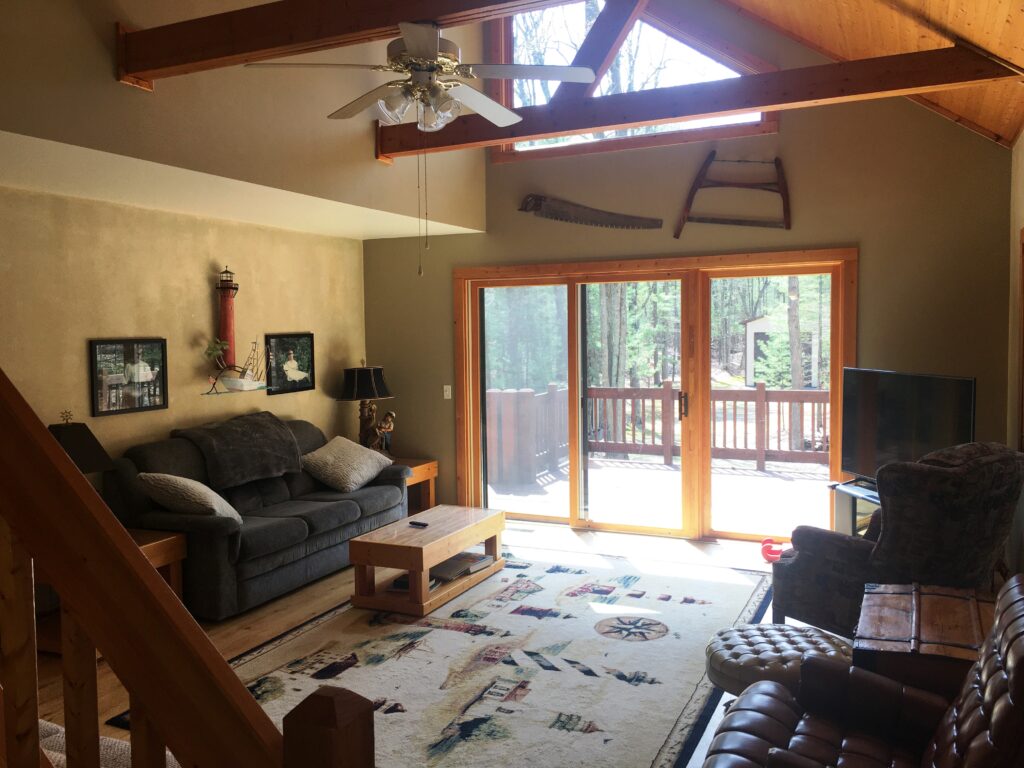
[[859, 29]]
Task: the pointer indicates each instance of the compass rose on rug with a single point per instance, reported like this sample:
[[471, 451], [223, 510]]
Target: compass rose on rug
[[632, 628]]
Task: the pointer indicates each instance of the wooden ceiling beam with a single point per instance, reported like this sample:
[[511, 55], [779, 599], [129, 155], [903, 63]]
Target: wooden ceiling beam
[[900, 75], [601, 45], [289, 27]]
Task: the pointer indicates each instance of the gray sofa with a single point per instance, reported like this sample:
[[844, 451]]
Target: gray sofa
[[294, 529]]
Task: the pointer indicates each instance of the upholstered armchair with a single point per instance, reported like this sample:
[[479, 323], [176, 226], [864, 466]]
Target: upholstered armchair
[[846, 716], [944, 521]]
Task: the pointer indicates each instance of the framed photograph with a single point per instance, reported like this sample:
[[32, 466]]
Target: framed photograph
[[127, 375], [290, 366]]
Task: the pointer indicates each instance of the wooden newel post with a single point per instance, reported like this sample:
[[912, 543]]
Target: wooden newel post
[[760, 424], [18, 673], [330, 728], [668, 420]]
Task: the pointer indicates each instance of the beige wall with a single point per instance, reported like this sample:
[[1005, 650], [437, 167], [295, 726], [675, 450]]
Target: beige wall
[[924, 200], [57, 82], [72, 270]]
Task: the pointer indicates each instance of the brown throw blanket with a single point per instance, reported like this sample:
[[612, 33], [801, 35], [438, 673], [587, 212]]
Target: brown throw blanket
[[246, 448]]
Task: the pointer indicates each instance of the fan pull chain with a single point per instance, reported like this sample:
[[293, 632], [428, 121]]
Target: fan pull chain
[[419, 221], [426, 205]]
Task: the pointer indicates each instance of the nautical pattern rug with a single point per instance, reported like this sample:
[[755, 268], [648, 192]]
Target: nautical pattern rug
[[588, 661]]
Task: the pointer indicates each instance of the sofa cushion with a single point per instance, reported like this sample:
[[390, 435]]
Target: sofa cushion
[[184, 495], [319, 516], [371, 499], [259, 566], [176, 456], [308, 436], [344, 465], [251, 497], [263, 535], [301, 483]]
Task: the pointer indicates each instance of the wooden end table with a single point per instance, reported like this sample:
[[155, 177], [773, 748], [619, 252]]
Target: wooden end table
[[421, 485], [449, 530], [165, 550], [923, 636]]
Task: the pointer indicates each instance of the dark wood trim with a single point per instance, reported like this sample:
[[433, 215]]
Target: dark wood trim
[[287, 28], [900, 75], [665, 18], [601, 45]]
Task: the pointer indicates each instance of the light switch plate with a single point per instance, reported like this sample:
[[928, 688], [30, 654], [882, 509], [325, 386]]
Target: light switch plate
[[447, 391]]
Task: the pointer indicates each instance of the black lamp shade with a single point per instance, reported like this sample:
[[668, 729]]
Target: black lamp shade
[[364, 384], [81, 445]]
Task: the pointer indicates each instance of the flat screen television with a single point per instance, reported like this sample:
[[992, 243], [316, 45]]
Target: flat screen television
[[890, 416]]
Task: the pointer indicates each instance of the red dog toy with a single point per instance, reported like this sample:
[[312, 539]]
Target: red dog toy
[[770, 551]]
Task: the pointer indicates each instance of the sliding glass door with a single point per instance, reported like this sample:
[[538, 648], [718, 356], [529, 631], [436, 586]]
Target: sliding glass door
[[631, 371], [524, 375], [686, 397]]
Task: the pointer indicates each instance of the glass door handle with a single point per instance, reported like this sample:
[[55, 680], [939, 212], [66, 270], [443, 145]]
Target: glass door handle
[[684, 404]]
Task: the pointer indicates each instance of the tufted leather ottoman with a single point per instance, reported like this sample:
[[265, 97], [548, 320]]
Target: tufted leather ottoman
[[749, 653]]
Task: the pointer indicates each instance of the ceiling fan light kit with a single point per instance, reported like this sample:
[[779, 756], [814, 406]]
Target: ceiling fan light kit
[[424, 56]]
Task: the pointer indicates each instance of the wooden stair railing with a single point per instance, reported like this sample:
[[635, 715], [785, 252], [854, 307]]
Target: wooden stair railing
[[183, 694]]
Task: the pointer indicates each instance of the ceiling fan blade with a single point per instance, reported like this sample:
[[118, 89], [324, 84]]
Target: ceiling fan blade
[[533, 72], [484, 106], [368, 99], [420, 39], [313, 65]]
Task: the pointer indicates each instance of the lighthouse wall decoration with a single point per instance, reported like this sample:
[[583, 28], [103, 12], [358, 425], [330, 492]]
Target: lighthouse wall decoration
[[227, 288], [222, 351]]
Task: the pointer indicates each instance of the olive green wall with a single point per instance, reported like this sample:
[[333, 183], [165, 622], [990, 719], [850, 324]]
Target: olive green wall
[[924, 200], [1014, 346], [72, 270]]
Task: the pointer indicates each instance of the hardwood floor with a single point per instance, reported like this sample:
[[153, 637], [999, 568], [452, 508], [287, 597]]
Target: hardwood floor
[[232, 637], [249, 630]]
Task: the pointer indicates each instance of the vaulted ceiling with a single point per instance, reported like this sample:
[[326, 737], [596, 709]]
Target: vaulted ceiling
[[885, 48], [859, 29]]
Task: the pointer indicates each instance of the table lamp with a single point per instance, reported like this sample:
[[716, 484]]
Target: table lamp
[[366, 384], [81, 445]]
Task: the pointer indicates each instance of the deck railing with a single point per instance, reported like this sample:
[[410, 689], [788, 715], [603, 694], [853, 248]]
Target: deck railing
[[182, 692], [527, 432], [770, 425]]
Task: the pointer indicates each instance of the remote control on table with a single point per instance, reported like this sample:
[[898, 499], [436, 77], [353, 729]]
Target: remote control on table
[[417, 524]]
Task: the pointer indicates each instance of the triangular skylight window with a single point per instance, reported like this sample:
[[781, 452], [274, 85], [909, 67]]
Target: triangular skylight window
[[648, 58]]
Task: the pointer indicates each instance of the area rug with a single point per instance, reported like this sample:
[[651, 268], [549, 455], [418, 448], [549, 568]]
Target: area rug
[[588, 661]]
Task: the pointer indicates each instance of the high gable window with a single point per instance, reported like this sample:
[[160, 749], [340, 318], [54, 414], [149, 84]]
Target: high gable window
[[647, 58]]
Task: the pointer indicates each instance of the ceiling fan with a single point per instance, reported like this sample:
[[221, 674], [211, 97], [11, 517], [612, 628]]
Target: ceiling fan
[[434, 81]]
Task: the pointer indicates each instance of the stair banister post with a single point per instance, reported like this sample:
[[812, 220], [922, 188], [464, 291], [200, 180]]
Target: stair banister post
[[330, 728]]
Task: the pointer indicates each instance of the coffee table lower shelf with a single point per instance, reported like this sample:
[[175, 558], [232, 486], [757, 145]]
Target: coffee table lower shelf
[[384, 599]]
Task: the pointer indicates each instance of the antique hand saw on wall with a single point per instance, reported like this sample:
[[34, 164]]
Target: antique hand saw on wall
[[563, 210]]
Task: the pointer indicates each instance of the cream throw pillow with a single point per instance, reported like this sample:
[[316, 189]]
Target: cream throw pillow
[[344, 465], [189, 497]]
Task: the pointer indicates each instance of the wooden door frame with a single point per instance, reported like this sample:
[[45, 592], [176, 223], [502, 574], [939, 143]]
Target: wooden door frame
[[840, 262]]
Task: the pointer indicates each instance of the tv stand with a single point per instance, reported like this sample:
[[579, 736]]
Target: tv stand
[[855, 502]]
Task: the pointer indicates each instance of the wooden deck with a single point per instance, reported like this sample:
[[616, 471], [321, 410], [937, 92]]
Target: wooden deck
[[744, 499]]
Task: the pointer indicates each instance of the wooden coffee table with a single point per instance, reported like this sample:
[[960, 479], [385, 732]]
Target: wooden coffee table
[[449, 530]]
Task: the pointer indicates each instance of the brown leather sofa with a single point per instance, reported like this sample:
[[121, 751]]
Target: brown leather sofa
[[845, 716]]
